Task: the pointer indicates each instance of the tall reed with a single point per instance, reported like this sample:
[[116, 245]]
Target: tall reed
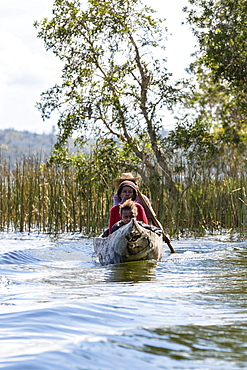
[[53, 199], [215, 201], [46, 198]]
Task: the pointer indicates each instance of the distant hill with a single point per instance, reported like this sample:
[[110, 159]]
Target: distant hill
[[16, 143]]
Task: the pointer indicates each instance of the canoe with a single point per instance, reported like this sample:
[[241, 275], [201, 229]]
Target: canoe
[[131, 242]]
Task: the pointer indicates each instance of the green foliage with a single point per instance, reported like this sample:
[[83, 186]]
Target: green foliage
[[105, 158], [54, 199], [115, 86], [221, 27], [214, 106], [220, 94], [194, 140], [115, 82]]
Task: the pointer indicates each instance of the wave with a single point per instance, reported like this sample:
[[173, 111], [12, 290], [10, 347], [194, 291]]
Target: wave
[[19, 257]]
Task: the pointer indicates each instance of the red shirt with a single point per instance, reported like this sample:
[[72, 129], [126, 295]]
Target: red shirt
[[115, 215]]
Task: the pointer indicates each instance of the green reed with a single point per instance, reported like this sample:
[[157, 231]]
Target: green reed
[[54, 199], [51, 198], [215, 200]]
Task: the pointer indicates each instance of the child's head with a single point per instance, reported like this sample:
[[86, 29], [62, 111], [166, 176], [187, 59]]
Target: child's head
[[127, 190], [128, 210]]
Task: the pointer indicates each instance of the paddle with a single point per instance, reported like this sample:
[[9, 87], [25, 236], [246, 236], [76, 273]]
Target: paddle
[[155, 221]]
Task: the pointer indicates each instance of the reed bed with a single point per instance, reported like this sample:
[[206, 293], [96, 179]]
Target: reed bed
[[55, 199], [48, 198], [215, 201]]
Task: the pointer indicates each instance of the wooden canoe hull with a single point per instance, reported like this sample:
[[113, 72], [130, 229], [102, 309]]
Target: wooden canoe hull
[[130, 242]]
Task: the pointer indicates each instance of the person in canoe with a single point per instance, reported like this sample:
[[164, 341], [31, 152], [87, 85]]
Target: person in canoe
[[127, 176], [128, 210], [126, 190]]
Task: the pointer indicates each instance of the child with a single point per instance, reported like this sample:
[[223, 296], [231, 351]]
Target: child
[[128, 210]]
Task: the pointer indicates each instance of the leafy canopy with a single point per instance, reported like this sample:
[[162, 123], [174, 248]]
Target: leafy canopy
[[114, 80], [221, 27], [220, 94], [111, 80]]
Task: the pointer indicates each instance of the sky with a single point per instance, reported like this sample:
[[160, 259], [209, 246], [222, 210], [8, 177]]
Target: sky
[[27, 69]]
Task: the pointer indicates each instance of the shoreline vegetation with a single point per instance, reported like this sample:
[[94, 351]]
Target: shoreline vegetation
[[43, 197]]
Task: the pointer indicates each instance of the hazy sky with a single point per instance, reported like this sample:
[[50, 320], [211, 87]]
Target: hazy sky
[[26, 69]]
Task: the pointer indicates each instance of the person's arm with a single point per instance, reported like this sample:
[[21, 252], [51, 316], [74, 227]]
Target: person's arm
[[116, 226], [116, 200], [141, 216]]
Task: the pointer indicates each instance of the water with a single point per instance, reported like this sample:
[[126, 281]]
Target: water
[[61, 310]]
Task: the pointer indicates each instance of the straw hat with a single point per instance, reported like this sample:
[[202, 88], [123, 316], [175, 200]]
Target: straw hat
[[126, 176]]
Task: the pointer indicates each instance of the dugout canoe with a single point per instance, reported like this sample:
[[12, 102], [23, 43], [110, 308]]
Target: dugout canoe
[[131, 242]]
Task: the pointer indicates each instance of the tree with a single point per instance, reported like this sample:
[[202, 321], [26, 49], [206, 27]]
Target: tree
[[221, 66], [221, 30], [114, 80], [219, 108]]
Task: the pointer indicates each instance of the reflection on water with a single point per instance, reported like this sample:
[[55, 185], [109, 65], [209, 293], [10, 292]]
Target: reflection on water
[[193, 347], [61, 309], [199, 343], [132, 272]]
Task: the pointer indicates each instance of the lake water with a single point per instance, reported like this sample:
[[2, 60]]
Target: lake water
[[60, 309]]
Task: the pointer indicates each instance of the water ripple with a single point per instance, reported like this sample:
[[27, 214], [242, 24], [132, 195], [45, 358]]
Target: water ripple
[[19, 257], [61, 309]]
